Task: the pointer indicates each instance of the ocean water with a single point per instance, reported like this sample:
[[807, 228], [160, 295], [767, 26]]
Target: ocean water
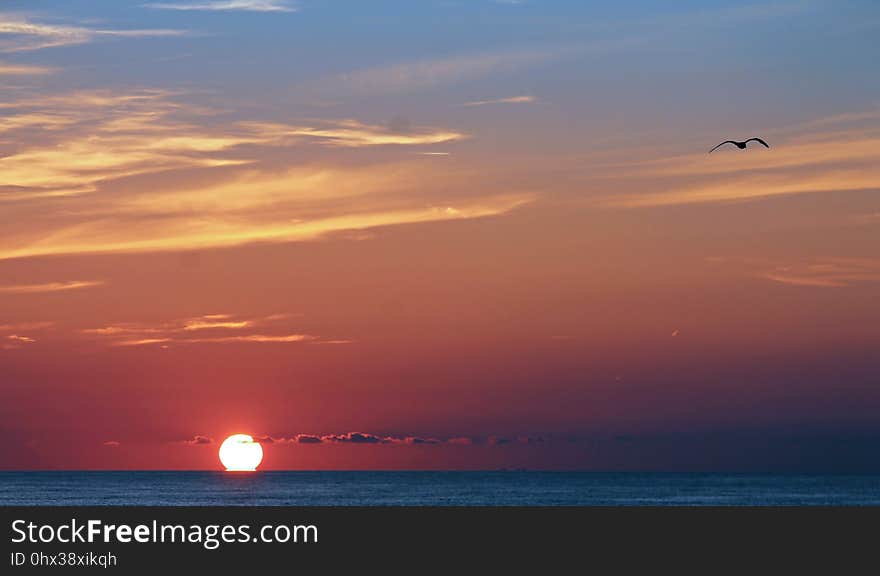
[[431, 489]]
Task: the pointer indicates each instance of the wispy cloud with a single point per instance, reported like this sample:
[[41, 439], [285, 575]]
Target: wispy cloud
[[214, 321], [107, 102], [49, 287], [827, 273], [96, 238], [122, 329], [207, 329], [869, 218], [26, 35], [7, 69], [248, 338], [141, 342], [510, 100], [16, 327], [256, 338], [817, 272], [15, 341], [228, 5], [21, 339], [810, 158], [415, 76], [96, 136], [425, 74], [354, 134], [100, 141], [91, 137], [218, 323], [39, 121]]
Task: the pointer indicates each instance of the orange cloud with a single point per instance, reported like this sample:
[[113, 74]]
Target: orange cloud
[[22, 339], [813, 157], [43, 121], [7, 69], [827, 273], [227, 192], [252, 338], [92, 137], [216, 325], [142, 342], [215, 321], [258, 338], [49, 287], [510, 100], [354, 134], [182, 235], [15, 341], [26, 326]]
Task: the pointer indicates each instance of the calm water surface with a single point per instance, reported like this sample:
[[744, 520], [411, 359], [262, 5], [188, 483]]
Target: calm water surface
[[430, 488]]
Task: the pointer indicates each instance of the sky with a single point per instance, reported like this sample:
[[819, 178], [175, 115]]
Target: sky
[[440, 234]]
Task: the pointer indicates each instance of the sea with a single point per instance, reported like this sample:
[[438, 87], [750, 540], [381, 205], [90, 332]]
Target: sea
[[498, 488]]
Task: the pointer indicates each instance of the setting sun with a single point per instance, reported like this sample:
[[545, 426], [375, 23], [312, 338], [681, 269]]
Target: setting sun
[[239, 453]]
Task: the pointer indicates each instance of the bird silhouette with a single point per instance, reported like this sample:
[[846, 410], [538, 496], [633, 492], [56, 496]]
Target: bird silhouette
[[740, 145]]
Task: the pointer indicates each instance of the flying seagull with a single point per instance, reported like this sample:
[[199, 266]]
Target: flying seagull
[[740, 145]]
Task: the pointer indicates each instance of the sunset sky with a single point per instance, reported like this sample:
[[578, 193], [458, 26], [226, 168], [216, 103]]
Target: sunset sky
[[440, 234]]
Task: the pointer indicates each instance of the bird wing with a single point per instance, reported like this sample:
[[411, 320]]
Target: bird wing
[[722, 144], [758, 140]]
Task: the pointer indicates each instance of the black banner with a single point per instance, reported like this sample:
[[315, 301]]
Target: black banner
[[127, 540]]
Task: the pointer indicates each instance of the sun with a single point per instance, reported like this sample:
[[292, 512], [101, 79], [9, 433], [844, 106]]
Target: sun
[[239, 453]]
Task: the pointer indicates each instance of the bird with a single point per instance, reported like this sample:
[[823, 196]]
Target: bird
[[740, 145]]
